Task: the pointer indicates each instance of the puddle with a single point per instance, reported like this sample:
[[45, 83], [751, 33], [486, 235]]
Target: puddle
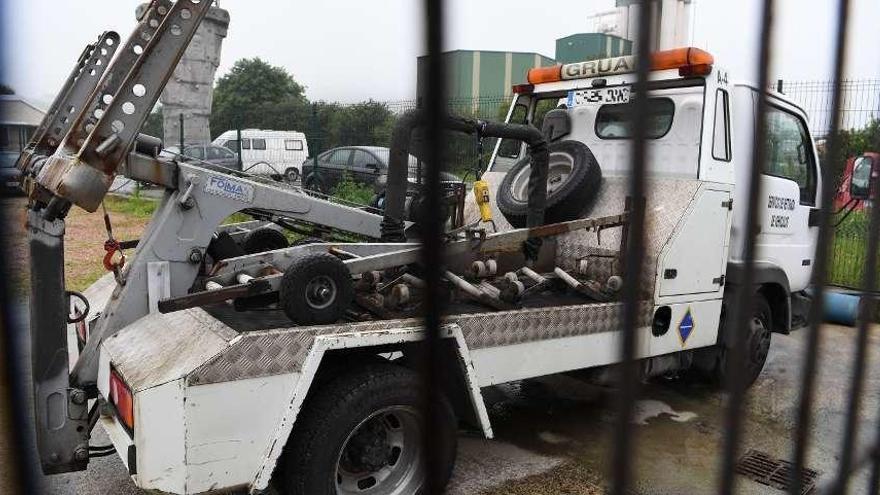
[[649, 409]]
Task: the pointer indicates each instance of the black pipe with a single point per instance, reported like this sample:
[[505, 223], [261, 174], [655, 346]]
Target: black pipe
[[395, 198], [393, 225]]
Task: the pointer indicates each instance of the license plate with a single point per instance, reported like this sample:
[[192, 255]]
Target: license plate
[[602, 96]]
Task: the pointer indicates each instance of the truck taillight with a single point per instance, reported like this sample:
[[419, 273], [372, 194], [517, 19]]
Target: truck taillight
[[122, 399]]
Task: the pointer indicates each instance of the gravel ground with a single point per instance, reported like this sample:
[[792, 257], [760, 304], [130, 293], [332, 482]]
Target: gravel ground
[[553, 434]]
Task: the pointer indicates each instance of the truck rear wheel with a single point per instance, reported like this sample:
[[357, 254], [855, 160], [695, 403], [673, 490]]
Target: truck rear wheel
[[573, 181], [362, 434]]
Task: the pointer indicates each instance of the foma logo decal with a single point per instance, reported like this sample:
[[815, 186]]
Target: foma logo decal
[[240, 191]]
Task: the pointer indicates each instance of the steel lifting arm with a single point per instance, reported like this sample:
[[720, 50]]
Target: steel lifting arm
[[82, 170], [74, 95], [73, 159]]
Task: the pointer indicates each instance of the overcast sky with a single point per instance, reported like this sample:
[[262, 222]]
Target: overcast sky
[[351, 50]]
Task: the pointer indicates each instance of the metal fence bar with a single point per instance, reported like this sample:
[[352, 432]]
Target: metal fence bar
[[874, 483], [432, 244], [861, 102], [820, 267], [635, 251], [744, 299], [866, 315]]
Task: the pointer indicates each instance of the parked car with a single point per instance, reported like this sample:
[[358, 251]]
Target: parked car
[[205, 154], [277, 154], [10, 176], [366, 165]]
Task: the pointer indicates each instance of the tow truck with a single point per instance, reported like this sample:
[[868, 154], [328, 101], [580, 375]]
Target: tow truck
[[219, 357]]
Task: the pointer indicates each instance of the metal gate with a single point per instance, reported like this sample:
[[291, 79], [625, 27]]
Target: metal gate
[[625, 438], [625, 435]]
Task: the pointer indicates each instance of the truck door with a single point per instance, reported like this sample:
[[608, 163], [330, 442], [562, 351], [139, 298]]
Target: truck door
[[696, 257], [789, 198]]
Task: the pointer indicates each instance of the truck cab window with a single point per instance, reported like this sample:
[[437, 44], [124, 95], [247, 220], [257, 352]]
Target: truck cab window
[[245, 144], [614, 121], [790, 154], [721, 133]]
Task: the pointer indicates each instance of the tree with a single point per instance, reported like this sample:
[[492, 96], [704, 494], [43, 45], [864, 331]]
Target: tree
[[255, 94], [6, 90]]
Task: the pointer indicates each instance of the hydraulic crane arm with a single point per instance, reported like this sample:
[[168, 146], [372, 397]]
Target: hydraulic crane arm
[[72, 160]]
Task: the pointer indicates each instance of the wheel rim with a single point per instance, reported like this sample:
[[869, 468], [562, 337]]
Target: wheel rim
[[292, 176], [381, 456], [558, 171], [320, 292]]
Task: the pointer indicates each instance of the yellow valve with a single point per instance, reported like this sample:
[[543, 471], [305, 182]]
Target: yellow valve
[[481, 193]]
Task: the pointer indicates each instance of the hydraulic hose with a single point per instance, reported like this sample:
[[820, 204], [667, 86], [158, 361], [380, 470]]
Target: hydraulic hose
[[395, 199]]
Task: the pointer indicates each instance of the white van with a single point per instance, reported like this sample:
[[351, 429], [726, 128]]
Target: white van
[[273, 153]]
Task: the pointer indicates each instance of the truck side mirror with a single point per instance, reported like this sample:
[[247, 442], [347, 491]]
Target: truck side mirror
[[864, 175]]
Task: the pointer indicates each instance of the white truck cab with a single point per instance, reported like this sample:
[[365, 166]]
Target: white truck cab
[[702, 128]]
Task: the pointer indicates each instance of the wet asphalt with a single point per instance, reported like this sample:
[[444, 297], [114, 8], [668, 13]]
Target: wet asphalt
[[560, 420]]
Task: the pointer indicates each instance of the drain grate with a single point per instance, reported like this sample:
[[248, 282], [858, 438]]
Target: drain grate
[[760, 467]]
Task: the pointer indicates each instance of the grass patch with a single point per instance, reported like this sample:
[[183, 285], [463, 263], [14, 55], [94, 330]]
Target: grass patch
[[849, 249], [351, 191], [136, 207]]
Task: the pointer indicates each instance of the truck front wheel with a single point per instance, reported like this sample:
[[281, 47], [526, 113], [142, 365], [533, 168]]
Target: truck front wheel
[[758, 333], [362, 434]]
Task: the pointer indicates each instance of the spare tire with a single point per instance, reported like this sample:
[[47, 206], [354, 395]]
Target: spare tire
[[573, 181]]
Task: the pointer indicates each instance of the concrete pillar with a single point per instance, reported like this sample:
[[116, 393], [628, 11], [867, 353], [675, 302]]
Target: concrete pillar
[[668, 24], [190, 91], [670, 20]]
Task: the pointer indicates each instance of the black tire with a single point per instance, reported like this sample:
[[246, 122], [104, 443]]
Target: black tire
[[314, 183], [378, 201], [316, 289], [291, 175], [323, 441], [760, 330], [567, 199], [262, 240]]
